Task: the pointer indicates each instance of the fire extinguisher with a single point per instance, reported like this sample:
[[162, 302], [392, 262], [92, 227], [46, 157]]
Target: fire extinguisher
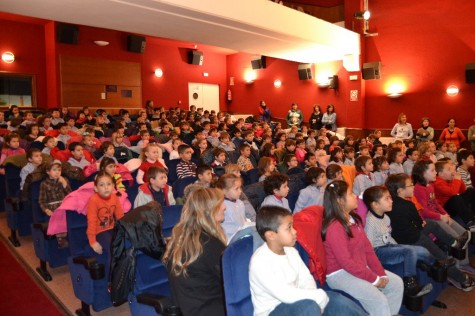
[[230, 96]]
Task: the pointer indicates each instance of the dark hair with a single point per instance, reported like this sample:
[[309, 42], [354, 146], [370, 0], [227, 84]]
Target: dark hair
[[392, 154], [332, 170], [288, 158], [46, 139], [30, 128], [202, 168], [333, 153], [361, 162], [289, 142], [265, 152], [153, 171], [410, 151], [61, 125], [308, 155], [418, 171], [348, 149], [105, 162], [269, 218], [373, 194], [8, 138], [377, 162], [243, 146], [376, 146], [463, 154], [105, 145], [274, 182], [218, 151], [73, 146], [144, 131], [102, 174], [334, 193], [224, 135], [182, 148], [395, 182], [439, 165], [31, 151], [312, 174]]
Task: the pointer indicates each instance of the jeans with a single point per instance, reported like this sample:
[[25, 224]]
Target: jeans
[[407, 254], [378, 302], [302, 308], [454, 230]]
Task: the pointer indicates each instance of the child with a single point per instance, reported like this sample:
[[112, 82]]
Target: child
[[156, 189], [277, 188], [174, 152], [381, 170], [185, 168], [334, 172], [109, 166], [213, 137], [63, 135], [32, 132], [103, 210], [336, 156], [465, 161], [352, 265], [289, 165], [349, 153], [395, 158], [441, 150], [88, 143], [363, 151], [378, 230], [451, 152], [300, 150], [33, 155], [320, 149], [226, 143], [144, 139], [150, 157], [118, 140], [219, 161], [266, 168], [244, 161], [53, 189], [378, 150], [316, 180], [412, 157], [311, 143], [364, 178], [334, 142], [409, 228], [71, 123], [108, 150], [11, 147], [49, 143], [281, 138], [235, 214], [78, 159]]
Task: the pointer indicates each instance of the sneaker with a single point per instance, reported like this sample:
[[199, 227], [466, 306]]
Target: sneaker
[[463, 240], [467, 268], [465, 286]]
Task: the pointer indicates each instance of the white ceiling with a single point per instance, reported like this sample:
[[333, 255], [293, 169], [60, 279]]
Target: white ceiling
[[253, 26]]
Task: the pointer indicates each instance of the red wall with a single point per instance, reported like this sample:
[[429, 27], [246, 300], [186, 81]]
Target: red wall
[[306, 93], [425, 45]]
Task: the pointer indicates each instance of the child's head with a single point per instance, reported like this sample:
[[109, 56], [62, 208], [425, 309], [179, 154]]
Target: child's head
[[117, 138], [12, 141], [380, 163], [107, 148], [245, 150], [349, 140], [88, 140], [315, 175], [219, 155], [334, 172], [452, 148], [320, 144], [53, 169], [291, 161], [145, 135], [424, 172], [311, 160], [108, 165], [445, 169], [49, 142], [336, 154], [33, 129], [290, 145], [334, 141], [364, 164], [364, 150], [311, 133], [185, 152], [55, 113], [349, 152], [225, 138], [274, 225], [231, 186], [268, 150], [157, 177], [277, 184], [465, 158], [378, 199], [232, 168], [204, 173], [378, 150], [400, 184], [300, 143], [76, 150], [395, 155], [410, 143], [441, 146], [70, 121], [412, 154], [33, 155], [152, 152], [104, 184], [202, 144], [63, 129]]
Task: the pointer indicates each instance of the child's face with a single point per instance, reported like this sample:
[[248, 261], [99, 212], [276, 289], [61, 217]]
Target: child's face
[[447, 173], [408, 191], [312, 161], [104, 186], [469, 162], [246, 152], [100, 120], [339, 176], [377, 134], [110, 151], [221, 157], [430, 174], [363, 142], [301, 145], [250, 137], [36, 159], [51, 143], [47, 122], [206, 177], [78, 152], [293, 162], [55, 172], [165, 129], [214, 133], [88, 141], [321, 180], [368, 166], [159, 181], [283, 191], [146, 136], [385, 165], [176, 143], [414, 156], [384, 204], [339, 155], [225, 140], [234, 192], [64, 111], [119, 138], [35, 130], [271, 167], [286, 235], [64, 130], [14, 143], [379, 151], [350, 155], [350, 201], [411, 145], [71, 122], [291, 148], [55, 114], [152, 153], [203, 144], [29, 117], [452, 148], [82, 116], [186, 155], [110, 169], [432, 148], [399, 157], [364, 152]]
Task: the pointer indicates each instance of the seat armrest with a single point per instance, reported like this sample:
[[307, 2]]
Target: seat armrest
[[96, 269], [44, 229], [159, 302]]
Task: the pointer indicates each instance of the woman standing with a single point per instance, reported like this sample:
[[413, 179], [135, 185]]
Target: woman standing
[[452, 134], [315, 121], [425, 133], [329, 118], [294, 116], [264, 112], [193, 255], [402, 129]]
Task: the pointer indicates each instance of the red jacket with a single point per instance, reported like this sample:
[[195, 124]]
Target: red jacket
[[456, 137], [425, 195], [445, 189], [146, 189]]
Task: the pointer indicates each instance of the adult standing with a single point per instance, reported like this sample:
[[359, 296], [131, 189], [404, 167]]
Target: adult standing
[[315, 121], [471, 136], [193, 255], [264, 112], [452, 134], [329, 118], [402, 129], [425, 133], [294, 116]]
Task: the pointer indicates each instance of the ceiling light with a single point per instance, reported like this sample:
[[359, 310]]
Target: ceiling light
[[362, 15]]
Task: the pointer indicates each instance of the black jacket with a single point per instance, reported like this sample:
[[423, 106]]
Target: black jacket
[[406, 222]]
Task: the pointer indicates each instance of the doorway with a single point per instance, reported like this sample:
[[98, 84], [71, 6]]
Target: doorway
[[204, 95]]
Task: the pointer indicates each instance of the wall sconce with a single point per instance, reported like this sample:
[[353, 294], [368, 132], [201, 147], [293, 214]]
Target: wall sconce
[[452, 90], [158, 73], [249, 76], [363, 15], [101, 43], [8, 57], [277, 83], [394, 95], [323, 84]]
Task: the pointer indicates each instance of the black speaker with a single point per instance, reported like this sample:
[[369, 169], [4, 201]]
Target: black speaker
[[67, 33], [136, 44], [305, 71], [195, 57], [470, 73], [333, 82], [371, 71], [259, 62]]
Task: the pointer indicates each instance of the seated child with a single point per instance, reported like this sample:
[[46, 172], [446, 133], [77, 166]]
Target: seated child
[[311, 161], [11, 147], [156, 189], [49, 142], [300, 150], [88, 143], [204, 173], [395, 159], [63, 135], [150, 157], [277, 188], [266, 168], [364, 179], [289, 163], [108, 150], [363, 151], [109, 166], [381, 170], [412, 157], [32, 132], [316, 180], [71, 124], [244, 162], [378, 150], [144, 139], [226, 143], [174, 152], [185, 168], [78, 159], [465, 161], [219, 161], [33, 155], [349, 153]]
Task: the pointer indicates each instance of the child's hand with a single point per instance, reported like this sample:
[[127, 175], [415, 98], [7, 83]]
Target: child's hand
[[63, 181], [97, 248], [48, 212], [445, 218], [2, 171]]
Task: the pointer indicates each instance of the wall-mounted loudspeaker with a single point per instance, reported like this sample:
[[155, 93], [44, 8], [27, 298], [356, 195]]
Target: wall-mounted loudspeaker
[[195, 57], [333, 82], [136, 44], [259, 62], [371, 71], [470, 73], [67, 33], [305, 71]]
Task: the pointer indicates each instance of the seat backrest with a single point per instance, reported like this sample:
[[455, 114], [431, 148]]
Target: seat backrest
[[255, 194], [38, 215], [171, 216], [12, 180], [235, 265], [253, 175], [172, 175], [180, 184], [77, 237]]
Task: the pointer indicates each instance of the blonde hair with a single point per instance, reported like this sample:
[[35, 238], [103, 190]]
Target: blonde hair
[[147, 148], [424, 148], [197, 217], [226, 181], [231, 168]]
